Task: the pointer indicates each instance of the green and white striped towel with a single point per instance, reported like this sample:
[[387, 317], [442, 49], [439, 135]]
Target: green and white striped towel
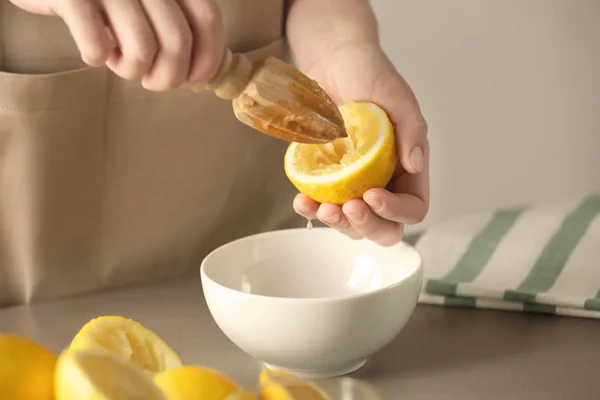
[[543, 259]]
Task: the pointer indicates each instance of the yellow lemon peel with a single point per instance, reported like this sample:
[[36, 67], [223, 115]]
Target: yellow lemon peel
[[26, 369], [282, 385], [346, 168], [196, 382]]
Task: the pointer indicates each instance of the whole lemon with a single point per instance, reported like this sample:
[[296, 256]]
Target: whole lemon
[[26, 369]]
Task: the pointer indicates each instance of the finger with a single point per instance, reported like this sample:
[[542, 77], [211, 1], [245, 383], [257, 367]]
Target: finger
[[206, 22], [404, 208], [37, 7], [86, 24], [136, 44], [412, 189], [411, 142], [398, 99], [371, 226], [416, 185], [331, 215], [305, 207], [174, 41]]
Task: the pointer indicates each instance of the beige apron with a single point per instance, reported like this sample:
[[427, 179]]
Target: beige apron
[[105, 184]]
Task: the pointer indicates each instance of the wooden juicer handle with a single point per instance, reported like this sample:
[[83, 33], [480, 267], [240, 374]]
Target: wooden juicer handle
[[234, 74]]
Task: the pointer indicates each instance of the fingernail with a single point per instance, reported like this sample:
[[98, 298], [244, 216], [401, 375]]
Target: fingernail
[[303, 208], [356, 216], [416, 158], [373, 203], [334, 219], [197, 87]]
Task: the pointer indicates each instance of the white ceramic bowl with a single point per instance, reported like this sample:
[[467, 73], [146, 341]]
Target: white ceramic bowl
[[312, 302]]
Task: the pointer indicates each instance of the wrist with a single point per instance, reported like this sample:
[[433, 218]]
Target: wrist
[[316, 28], [346, 50]]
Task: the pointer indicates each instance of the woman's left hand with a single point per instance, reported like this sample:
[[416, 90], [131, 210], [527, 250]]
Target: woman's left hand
[[362, 72]]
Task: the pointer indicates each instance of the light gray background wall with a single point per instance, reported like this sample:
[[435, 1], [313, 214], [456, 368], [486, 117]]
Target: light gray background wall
[[511, 92]]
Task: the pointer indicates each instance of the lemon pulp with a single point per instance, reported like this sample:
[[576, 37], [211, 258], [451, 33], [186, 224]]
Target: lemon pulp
[[93, 374], [321, 159], [346, 168], [128, 340]]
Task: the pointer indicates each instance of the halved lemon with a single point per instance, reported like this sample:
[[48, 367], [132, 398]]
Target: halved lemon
[[94, 374], [241, 395], [281, 385], [26, 369], [346, 168], [128, 340], [269, 376], [197, 382]]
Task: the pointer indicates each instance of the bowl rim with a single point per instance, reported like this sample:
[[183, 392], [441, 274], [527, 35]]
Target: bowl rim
[[204, 276]]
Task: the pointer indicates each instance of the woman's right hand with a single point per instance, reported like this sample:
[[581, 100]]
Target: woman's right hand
[[164, 43]]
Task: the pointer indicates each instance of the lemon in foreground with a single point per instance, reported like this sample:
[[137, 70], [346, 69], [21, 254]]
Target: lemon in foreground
[[128, 340], [346, 168], [26, 369], [195, 382], [241, 395], [98, 375], [281, 385], [269, 376]]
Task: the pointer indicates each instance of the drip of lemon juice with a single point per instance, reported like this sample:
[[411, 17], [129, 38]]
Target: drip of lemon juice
[[309, 224]]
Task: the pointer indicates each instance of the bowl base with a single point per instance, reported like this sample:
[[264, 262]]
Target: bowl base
[[321, 374]]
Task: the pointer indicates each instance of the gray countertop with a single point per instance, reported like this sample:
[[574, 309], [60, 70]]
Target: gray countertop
[[442, 353]]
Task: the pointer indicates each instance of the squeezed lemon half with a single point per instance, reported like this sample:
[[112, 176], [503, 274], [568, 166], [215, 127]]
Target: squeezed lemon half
[[26, 369], [281, 385], [346, 168], [128, 340], [196, 382], [94, 374]]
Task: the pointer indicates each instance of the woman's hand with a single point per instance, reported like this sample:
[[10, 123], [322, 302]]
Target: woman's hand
[[164, 43], [336, 42], [360, 71]]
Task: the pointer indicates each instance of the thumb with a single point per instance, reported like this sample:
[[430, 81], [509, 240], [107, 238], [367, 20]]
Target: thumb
[[411, 142], [399, 101]]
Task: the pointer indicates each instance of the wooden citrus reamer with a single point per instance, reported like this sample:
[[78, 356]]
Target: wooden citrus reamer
[[277, 99]]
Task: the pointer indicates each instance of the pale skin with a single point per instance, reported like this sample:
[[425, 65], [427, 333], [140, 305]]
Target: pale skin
[[340, 49], [168, 43], [163, 43]]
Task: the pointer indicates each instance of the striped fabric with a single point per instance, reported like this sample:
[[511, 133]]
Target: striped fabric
[[543, 259]]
